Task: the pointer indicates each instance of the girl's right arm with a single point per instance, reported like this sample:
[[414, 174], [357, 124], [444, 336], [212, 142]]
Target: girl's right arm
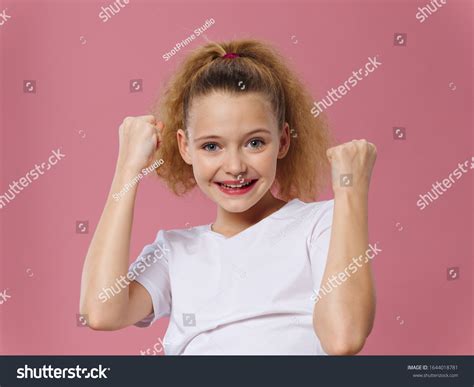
[[107, 259]]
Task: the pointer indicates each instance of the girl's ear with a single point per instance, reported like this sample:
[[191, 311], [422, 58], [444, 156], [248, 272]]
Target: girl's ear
[[183, 146], [284, 141]]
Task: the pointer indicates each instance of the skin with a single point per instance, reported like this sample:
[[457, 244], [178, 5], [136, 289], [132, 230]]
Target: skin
[[236, 151], [343, 318], [108, 256]]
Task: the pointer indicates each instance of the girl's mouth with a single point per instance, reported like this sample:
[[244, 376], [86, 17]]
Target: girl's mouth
[[236, 187]]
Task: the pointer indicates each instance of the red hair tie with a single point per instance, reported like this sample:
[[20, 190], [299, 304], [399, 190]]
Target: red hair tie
[[231, 55]]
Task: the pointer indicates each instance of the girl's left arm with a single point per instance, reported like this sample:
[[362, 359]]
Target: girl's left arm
[[344, 316]]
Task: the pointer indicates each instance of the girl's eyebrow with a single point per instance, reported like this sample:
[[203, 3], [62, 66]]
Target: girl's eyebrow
[[246, 134]]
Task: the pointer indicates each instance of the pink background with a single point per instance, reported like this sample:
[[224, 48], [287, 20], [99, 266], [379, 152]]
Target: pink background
[[83, 85]]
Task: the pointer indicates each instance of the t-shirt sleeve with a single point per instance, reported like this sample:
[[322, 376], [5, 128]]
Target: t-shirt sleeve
[[319, 242], [151, 269]]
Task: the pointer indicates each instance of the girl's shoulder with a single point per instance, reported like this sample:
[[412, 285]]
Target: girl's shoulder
[[310, 215], [183, 234], [294, 210], [311, 208]]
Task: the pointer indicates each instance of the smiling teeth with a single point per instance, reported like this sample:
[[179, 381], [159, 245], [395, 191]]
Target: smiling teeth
[[236, 186]]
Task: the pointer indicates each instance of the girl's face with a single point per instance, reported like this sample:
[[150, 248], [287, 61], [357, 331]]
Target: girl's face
[[233, 140]]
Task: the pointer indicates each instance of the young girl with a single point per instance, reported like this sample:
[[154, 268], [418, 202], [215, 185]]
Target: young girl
[[263, 278]]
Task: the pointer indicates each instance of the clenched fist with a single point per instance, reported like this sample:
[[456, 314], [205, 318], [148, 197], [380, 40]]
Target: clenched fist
[[351, 165], [139, 139]]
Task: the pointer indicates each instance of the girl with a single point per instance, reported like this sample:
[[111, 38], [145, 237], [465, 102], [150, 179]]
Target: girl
[[263, 278]]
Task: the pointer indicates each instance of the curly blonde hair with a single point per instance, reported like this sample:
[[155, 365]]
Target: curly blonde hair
[[303, 172]]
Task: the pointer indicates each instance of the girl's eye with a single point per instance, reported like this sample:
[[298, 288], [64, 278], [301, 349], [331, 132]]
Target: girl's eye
[[211, 147], [256, 143]]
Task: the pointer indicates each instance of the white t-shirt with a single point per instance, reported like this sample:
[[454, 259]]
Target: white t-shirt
[[250, 294]]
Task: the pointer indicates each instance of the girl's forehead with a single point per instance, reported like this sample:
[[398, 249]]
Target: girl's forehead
[[223, 107]]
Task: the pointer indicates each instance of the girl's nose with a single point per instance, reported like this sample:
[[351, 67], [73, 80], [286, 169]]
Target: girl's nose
[[233, 163]]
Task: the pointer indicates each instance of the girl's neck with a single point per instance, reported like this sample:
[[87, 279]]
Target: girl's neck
[[231, 223]]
